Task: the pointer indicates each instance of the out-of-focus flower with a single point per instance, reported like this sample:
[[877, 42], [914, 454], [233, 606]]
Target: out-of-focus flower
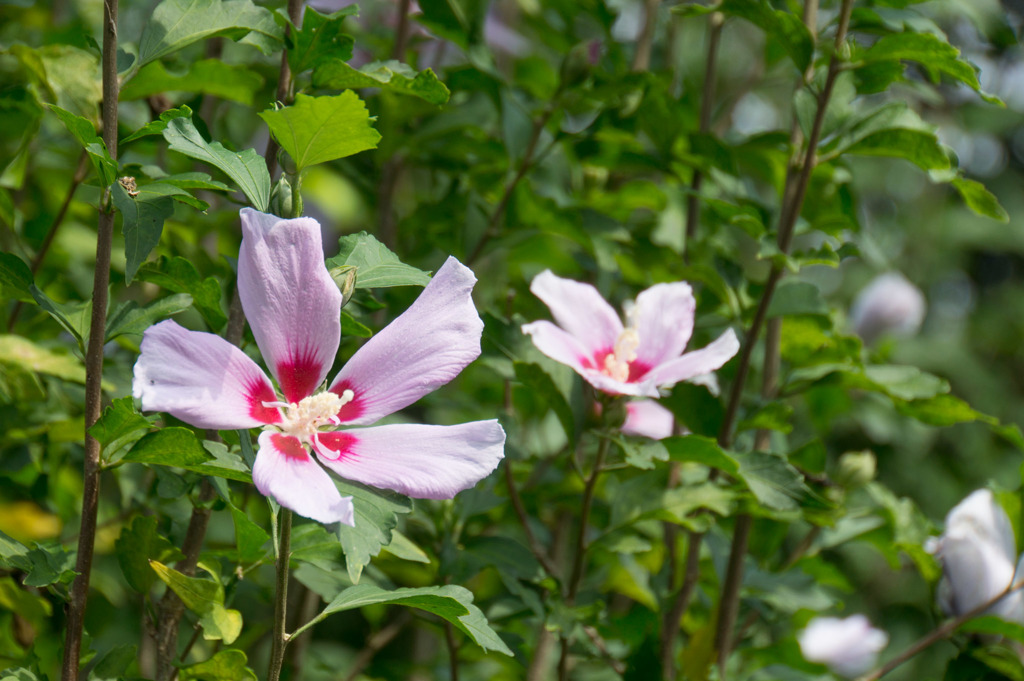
[[889, 304], [636, 359], [978, 553], [849, 647], [647, 418], [293, 310]]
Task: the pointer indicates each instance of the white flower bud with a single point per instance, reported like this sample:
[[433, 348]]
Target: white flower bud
[[849, 647], [977, 552], [889, 304]]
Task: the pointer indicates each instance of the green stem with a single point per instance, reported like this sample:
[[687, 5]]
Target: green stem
[[279, 637]]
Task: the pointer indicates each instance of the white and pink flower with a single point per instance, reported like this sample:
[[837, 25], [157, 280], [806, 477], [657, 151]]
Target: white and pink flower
[[633, 359], [293, 309]]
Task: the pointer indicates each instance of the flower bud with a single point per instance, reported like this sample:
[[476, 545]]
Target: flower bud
[[977, 552], [889, 304], [345, 277], [856, 469], [849, 647]]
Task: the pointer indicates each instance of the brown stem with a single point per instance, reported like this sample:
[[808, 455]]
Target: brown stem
[[716, 20], [298, 645], [939, 633], [375, 643], [645, 41], [94, 366], [524, 166], [284, 83], [401, 31], [453, 650], [670, 624]]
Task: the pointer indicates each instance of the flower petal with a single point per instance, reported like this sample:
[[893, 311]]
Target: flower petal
[[605, 383], [285, 470], [663, 315], [559, 345], [424, 348], [290, 300], [426, 462], [201, 379], [697, 362], [579, 309], [647, 418]]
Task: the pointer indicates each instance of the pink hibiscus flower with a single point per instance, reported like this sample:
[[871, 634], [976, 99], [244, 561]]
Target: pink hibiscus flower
[[292, 306], [636, 359]]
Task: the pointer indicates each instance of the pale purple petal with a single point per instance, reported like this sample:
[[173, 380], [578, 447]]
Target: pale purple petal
[[849, 647], [426, 462], [559, 345], [579, 309], [285, 470], [697, 362], [290, 300], [605, 383], [424, 348], [663, 315], [647, 418], [201, 379]]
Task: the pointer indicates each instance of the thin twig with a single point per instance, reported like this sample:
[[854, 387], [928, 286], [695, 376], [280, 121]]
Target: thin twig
[[94, 365], [375, 643], [715, 23], [453, 650], [524, 166], [941, 632], [670, 624]]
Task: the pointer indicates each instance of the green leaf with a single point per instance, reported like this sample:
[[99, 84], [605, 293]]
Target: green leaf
[[319, 129], [980, 200], [129, 318], [115, 664], [905, 382], [204, 597], [700, 449], [932, 52], [177, 23], [66, 75], [992, 624], [320, 39], [179, 275], [15, 279], [85, 132], [137, 545], [247, 169], [209, 77], [376, 266], [773, 482], [404, 548], [793, 298], [19, 351], [393, 76], [74, 316], [920, 147], [13, 554], [225, 464], [119, 425], [351, 327], [452, 603], [376, 515], [159, 125], [49, 564], [169, 447], [250, 538], [785, 27], [142, 223], [32, 607], [194, 181], [226, 665], [540, 384]]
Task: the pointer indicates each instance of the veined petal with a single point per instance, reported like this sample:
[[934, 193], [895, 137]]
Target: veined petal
[[647, 418], [285, 470], [579, 309], [663, 315], [605, 383], [424, 348], [290, 300], [426, 462], [697, 362], [559, 345], [201, 379]]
